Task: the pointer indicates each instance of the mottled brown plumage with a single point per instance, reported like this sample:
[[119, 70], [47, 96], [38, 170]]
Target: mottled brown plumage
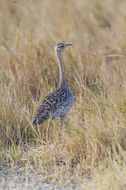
[[59, 102]]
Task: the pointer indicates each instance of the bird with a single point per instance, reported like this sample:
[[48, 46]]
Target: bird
[[59, 102]]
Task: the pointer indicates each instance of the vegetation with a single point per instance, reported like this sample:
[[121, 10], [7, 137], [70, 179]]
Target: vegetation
[[93, 141]]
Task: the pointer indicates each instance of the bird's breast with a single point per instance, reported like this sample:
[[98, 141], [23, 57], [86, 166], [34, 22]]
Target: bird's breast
[[64, 103]]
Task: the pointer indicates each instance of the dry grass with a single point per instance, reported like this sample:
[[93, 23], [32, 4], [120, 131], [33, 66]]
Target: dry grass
[[93, 138]]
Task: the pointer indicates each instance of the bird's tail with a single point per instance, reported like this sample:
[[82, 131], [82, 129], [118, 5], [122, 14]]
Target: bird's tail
[[34, 122], [39, 119]]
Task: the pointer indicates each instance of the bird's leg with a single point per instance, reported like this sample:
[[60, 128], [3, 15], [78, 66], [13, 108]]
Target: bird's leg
[[48, 131], [62, 118], [49, 128]]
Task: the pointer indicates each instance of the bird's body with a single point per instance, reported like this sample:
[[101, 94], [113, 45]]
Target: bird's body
[[59, 102], [56, 104]]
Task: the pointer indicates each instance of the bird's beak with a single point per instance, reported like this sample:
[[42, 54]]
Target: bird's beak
[[68, 44]]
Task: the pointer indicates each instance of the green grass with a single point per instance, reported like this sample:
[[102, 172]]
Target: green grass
[[93, 141]]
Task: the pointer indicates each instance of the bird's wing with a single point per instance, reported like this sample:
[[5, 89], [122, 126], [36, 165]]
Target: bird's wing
[[49, 104]]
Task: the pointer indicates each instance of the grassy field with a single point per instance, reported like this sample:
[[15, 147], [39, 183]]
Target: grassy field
[[92, 147]]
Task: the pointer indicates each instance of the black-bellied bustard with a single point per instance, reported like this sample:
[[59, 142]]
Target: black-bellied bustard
[[59, 102]]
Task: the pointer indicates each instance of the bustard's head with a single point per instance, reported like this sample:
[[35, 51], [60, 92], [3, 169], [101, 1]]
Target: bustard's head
[[61, 46]]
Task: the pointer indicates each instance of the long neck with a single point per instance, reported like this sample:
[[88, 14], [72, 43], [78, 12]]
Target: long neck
[[62, 81]]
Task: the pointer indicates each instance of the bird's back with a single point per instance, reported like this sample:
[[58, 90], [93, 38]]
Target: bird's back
[[54, 105]]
